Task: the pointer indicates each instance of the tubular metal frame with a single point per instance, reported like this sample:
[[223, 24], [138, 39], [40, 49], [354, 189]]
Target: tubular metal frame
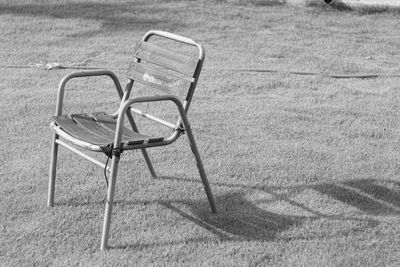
[[56, 136], [125, 112]]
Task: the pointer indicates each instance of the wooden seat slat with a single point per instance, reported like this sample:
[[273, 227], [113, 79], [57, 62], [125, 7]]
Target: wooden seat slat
[[110, 123], [91, 125], [72, 128], [90, 130]]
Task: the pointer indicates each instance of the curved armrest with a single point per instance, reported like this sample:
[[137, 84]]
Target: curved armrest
[[126, 105], [156, 98], [80, 74]]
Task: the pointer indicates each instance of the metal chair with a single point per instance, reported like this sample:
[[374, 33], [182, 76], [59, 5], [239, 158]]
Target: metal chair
[[154, 67]]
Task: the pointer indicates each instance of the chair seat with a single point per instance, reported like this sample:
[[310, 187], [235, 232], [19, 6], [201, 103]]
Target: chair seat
[[97, 130]]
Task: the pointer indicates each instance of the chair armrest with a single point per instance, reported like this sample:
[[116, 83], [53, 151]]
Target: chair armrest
[[80, 74], [126, 105]]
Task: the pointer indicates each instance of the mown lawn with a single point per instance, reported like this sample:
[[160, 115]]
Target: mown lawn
[[305, 169]]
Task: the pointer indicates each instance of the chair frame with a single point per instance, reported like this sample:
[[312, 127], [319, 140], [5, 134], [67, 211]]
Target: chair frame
[[125, 111]]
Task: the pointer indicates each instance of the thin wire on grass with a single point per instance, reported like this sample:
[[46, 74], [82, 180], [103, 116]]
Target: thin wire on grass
[[53, 66], [105, 177]]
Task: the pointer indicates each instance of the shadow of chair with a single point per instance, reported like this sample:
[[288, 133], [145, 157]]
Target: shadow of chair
[[364, 194], [241, 219], [237, 219]]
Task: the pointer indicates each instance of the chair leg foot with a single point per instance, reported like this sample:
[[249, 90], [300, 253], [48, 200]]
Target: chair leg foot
[[52, 171], [109, 203]]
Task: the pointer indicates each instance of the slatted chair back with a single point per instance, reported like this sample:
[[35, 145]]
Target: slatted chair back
[[167, 71]]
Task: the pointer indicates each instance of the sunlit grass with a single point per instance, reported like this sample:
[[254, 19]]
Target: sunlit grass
[[304, 169]]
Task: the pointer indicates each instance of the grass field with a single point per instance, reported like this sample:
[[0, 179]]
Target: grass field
[[305, 169]]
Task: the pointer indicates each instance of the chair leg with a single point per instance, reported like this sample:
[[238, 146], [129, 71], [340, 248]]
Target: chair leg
[[109, 202], [200, 167], [144, 151], [52, 171], [148, 162]]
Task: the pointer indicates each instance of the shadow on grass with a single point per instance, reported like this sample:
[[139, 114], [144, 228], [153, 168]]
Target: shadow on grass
[[358, 9], [240, 219], [113, 16], [262, 2], [237, 218], [365, 195]]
